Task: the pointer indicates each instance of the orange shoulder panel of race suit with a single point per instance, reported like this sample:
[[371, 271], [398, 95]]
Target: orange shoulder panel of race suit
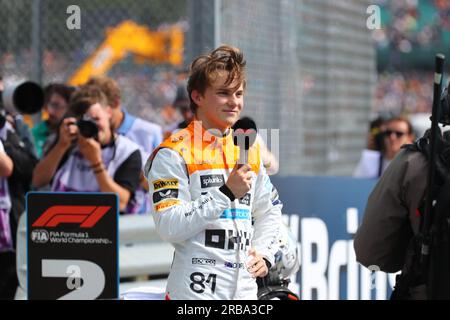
[[202, 151]]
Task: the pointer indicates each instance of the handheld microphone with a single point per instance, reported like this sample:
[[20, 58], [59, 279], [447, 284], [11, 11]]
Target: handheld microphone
[[244, 136]]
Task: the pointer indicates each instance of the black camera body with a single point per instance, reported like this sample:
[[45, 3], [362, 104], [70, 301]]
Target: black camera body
[[88, 127], [443, 114]]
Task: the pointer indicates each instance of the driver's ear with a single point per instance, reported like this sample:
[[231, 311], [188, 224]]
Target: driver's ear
[[197, 97]]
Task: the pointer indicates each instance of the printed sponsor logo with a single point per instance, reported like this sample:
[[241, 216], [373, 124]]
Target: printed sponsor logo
[[276, 202], [234, 265], [82, 238], [275, 197], [40, 236], [166, 204], [162, 184], [165, 194], [246, 199], [227, 239], [176, 139], [200, 207], [239, 214], [85, 216], [212, 180], [204, 261]]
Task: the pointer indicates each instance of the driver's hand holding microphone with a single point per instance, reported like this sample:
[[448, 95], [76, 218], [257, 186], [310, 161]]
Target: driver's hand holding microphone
[[239, 183], [240, 180]]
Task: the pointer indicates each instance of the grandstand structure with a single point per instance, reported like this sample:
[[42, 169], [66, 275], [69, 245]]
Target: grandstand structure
[[411, 33]]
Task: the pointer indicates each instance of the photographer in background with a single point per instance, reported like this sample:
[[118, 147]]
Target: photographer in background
[[88, 156], [8, 278], [385, 140], [145, 134], [406, 220], [56, 104], [31, 101], [17, 160]]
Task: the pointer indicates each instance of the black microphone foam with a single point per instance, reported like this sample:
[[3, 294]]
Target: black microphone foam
[[244, 130]]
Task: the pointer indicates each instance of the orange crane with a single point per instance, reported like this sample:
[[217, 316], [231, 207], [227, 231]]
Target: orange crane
[[159, 47]]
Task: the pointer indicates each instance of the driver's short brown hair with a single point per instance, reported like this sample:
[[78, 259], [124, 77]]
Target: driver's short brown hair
[[205, 68]]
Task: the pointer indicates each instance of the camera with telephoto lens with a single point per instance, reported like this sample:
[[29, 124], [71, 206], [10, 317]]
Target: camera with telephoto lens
[[88, 127], [24, 97]]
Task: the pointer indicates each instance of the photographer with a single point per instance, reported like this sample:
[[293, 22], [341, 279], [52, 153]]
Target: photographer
[[145, 134], [90, 159], [405, 225], [392, 215], [385, 141], [8, 279], [17, 160]]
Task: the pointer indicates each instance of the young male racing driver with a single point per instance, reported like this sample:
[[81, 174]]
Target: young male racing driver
[[216, 212]]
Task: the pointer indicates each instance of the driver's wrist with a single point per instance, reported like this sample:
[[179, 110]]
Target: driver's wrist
[[227, 191]]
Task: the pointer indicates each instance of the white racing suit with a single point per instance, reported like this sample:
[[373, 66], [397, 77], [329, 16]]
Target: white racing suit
[[211, 234]]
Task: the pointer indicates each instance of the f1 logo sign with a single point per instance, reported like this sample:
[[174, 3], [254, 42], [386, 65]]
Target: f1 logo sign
[[86, 216], [72, 240]]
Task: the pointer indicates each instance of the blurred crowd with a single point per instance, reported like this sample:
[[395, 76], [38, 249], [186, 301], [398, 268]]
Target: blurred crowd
[[413, 23], [405, 93]]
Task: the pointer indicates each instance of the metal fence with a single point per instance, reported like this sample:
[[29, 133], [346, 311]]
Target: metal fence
[[38, 44], [311, 74], [311, 70], [311, 63]]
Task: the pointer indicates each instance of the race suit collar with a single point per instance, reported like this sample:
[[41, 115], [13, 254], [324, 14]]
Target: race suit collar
[[213, 132]]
